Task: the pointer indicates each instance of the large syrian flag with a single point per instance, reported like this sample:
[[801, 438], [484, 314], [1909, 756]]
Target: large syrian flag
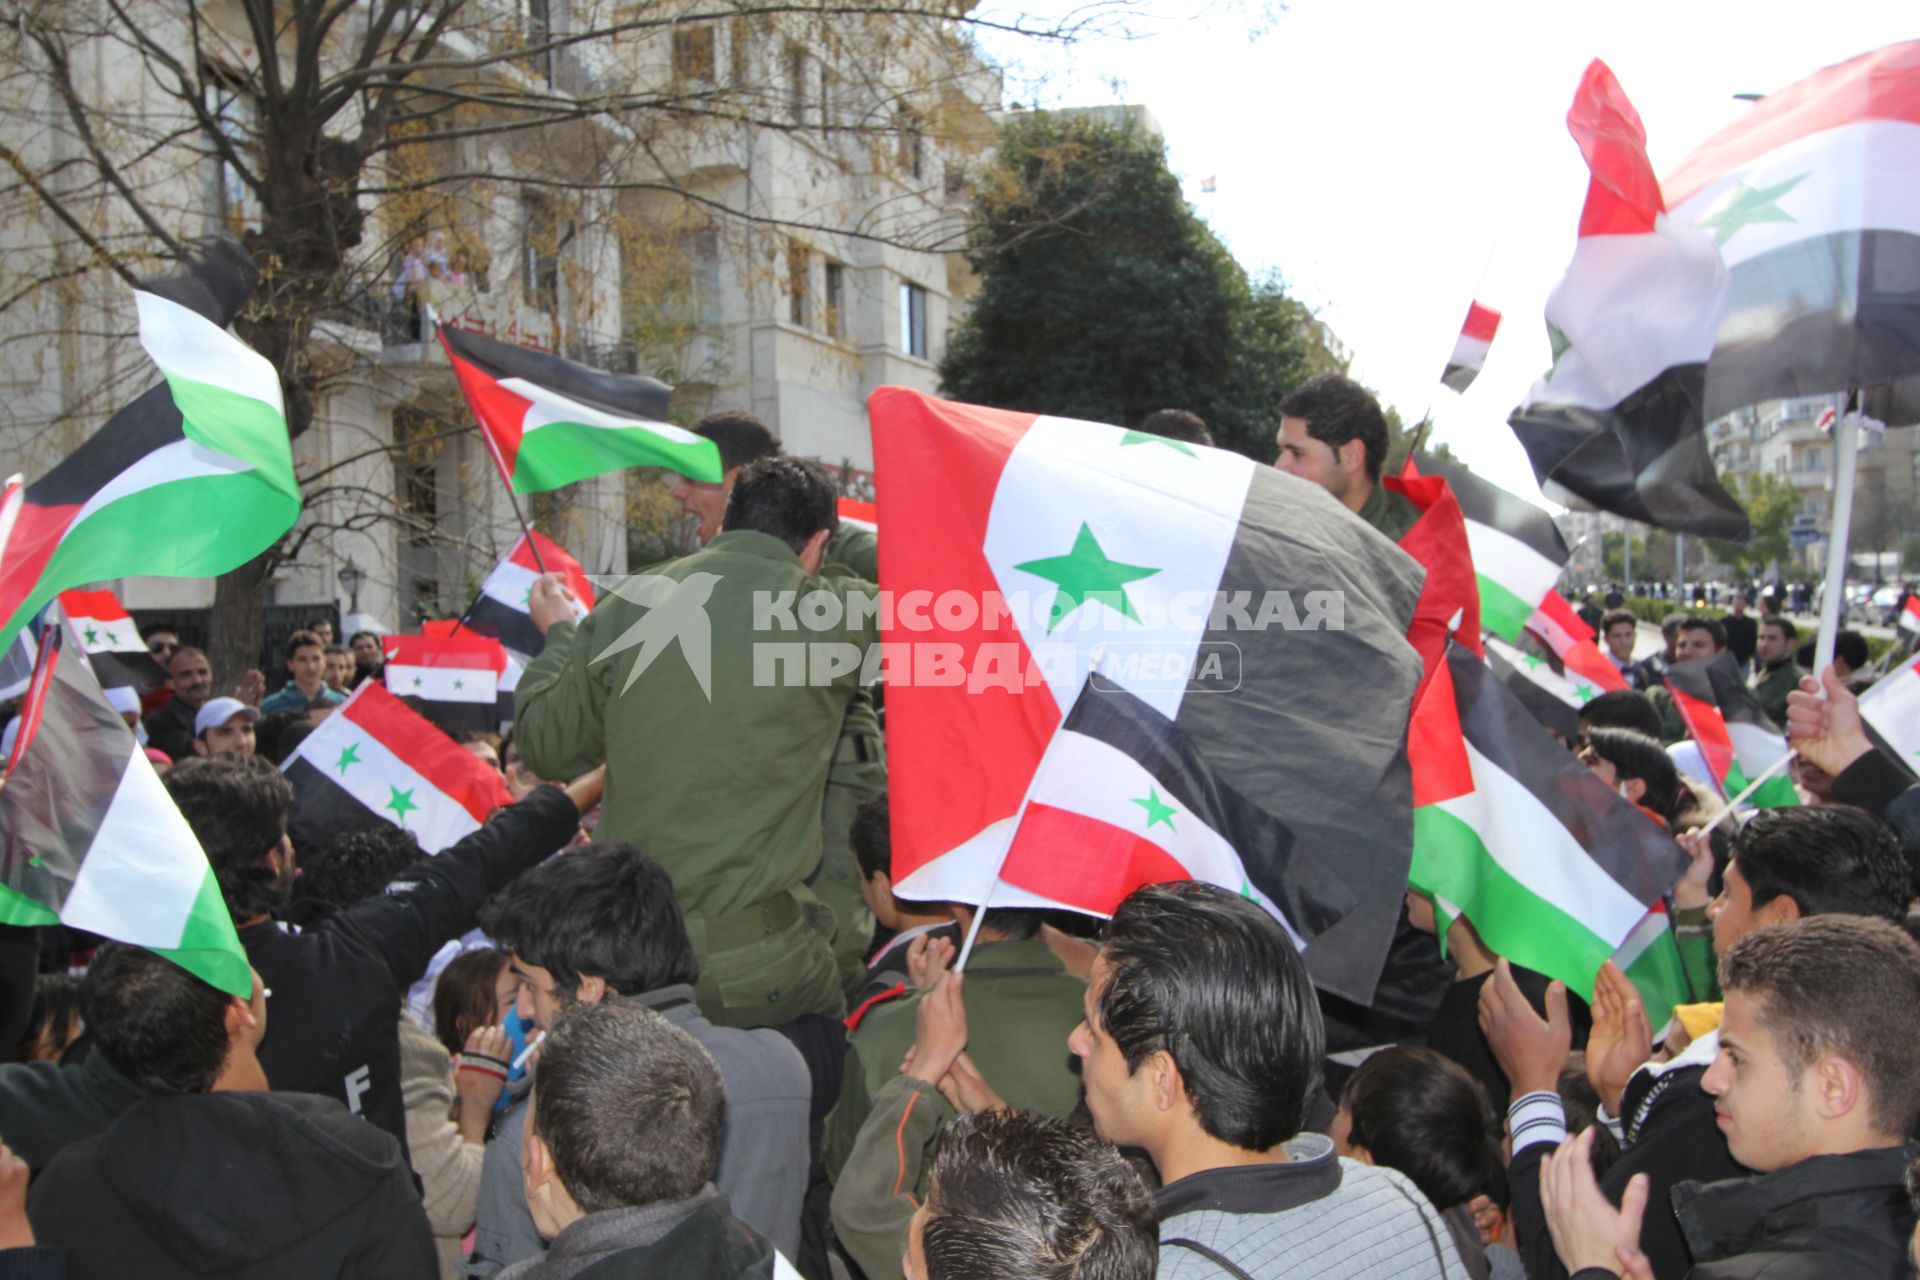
[[1518, 553], [374, 760], [500, 609], [191, 479], [1470, 349], [1550, 865], [114, 650], [1807, 197], [90, 838], [1892, 708], [1617, 421], [455, 678], [1736, 738], [1206, 579], [549, 422], [1123, 798]]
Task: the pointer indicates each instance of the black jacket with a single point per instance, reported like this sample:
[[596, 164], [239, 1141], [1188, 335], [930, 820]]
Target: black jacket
[[170, 729], [45, 1107], [337, 988], [704, 1242], [237, 1185], [1826, 1216], [1880, 784]]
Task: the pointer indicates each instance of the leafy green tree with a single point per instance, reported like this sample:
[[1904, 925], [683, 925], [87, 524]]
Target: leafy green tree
[[1771, 505], [1104, 297]]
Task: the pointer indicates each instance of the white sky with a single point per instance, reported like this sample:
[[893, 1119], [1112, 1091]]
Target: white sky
[[1393, 159]]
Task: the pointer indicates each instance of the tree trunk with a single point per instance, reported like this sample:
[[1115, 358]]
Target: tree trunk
[[239, 625]]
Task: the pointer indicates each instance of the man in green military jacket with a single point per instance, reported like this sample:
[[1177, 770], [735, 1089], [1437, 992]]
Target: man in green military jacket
[[716, 709], [1333, 433], [1779, 675]]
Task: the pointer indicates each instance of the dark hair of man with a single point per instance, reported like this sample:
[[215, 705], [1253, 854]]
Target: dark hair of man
[[1214, 981], [1176, 424], [303, 639], [1830, 859], [1636, 755], [371, 635], [1787, 629], [1421, 1113], [185, 651], [1018, 1196], [360, 864], [1614, 617], [1015, 924], [1670, 625], [237, 807], [602, 910], [872, 838], [271, 733], [1700, 622], [332, 649], [788, 498], [153, 629], [629, 1105], [463, 996], [1851, 648], [1841, 985], [156, 1023], [742, 438], [1621, 709], [1337, 410]]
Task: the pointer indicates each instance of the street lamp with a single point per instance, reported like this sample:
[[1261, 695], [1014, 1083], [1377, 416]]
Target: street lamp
[[350, 579]]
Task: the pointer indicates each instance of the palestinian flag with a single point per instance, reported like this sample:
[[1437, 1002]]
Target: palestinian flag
[[211, 441], [500, 610], [1207, 582], [90, 838], [1571, 640], [1617, 421], [550, 422], [861, 515], [456, 678], [1123, 798], [375, 760], [1799, 194], [1470, 349], [116, 653], [1551, 866], [1518, 553], [1554, 698], [1736, 738], [1892, 709], [1449, 604]]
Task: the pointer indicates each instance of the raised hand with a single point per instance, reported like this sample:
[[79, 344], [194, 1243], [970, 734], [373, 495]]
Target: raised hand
[[1620, 1039], [1826, 731], [1531, 1050], [1587, 1230]]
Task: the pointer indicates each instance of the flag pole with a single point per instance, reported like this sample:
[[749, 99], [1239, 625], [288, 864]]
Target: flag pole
[[1846, 441], [1752, 787], [980, 912], [493, 451]]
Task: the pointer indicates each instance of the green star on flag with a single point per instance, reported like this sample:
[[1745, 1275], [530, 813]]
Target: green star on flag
[[1157, 809], [91, 635], [1086, 574], [401, 802], [1748, 206], [416, 682], [459, 683], [1585, 692], [350, 756], [1246, 891], [1531, 661], [1147, 437]]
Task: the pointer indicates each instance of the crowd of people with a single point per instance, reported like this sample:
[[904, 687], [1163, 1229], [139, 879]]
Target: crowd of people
[[667, 1015]]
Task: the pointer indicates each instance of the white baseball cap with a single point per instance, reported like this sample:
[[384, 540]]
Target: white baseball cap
[[217, 711]]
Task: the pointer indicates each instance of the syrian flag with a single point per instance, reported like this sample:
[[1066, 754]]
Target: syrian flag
[[1571, 640], [1123, 798], [455, 677], [500, 610], [1808, 198], [1736, 738], [1553, 697], [376, 760], [210, 441], [1207, 580], [861, 515], [1470, 349], [1617, 421], [90, 838], [1910, 613], [1518, 553], [1892, 708], [116, 653], [1551, 866], [550, 422]]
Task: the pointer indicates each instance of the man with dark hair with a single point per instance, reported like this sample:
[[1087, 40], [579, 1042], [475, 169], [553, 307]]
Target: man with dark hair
[[368, 657], [725, 752], [208, 1170], [1201, 1045], [1333, 433], [1620, 630], [190, 676], [356, 866], [742, 440], [1850, 653], [1013, 1195], [1776, 674], [306, 677], [323, 629], [1176, 424], [224, 727], [911, 925], [1742, 630], [1620, 709], [600, 924], [336, 987], [1695, 636], [1813, 1087], [621, 1146], [339, 668]]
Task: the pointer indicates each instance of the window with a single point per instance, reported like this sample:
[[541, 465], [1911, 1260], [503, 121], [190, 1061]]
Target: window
[[537, 19], [798, 269], [913, 147], [238, 118], [797, 83], [913, 319], [539, 253], [693, 54], [740, 51], [1815, 459], [836, 317], [828, 89]]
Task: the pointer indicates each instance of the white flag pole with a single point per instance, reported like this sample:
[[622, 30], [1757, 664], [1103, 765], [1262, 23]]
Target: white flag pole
[[1846, 443], [986, 896], [1752, 787]]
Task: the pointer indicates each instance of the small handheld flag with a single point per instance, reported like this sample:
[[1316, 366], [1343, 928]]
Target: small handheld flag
[[1470, 349]]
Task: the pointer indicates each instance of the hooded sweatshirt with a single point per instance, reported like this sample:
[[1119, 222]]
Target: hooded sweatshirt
[[237, 1185]]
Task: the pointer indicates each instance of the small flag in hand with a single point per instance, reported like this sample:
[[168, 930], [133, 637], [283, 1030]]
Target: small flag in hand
[[1736, 738], [501, 608], [111, 641]]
